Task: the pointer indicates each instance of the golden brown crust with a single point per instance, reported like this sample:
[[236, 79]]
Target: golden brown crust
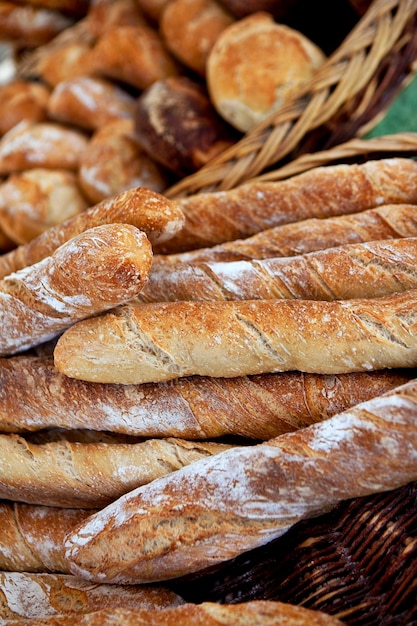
[[257, 613], [93, 271], [39, 595], [89, 102], [104, 15], [22, 100], [30, 26], [34, 395], [190, 29], [150, 212], [41, 144], [223, 506], [89, 475], [386, 222], [373, 269], [217, 217], [34, 200], [256, 65], [149, 60], [167, 340], [114, 162]]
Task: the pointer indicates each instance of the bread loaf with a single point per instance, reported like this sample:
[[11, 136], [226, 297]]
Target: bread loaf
[[150, 212], [256, 613], [386, 222], [326, 191], [114, 162], [36, 199], [88, 475], [30, 26], [364, 270], [35, 396], [167, 340], [25, 595], [22, 100], [92, 272], [41, 144], [32, 537], [256, 66], [218, 508], [149, 60], [89, 102]]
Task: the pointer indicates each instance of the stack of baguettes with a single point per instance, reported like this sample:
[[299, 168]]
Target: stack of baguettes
[[184, 382]]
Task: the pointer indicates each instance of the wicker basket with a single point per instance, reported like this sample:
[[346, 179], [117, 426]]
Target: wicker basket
[[357, 82]]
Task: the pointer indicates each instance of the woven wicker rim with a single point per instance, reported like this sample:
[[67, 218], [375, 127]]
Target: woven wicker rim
[[350, 70]]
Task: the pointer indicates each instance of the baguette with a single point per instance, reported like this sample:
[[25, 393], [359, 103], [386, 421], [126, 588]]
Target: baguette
[[35, 396], [218, 508], [212, 218], [150, 212], [92, 272], [167, 340], [37, 596], [386, 222], [32, 537], [256, 613], [88, 475], [365, 270]]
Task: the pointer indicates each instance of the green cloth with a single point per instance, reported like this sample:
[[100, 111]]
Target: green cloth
[[401, 115]]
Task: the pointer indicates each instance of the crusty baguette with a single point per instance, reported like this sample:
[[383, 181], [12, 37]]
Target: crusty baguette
[[212, 218], [94, 271], [256, 613], [32, 537], [89, 475], [218, 508], [167, 340], [390, 221], [34, 395], [150, 212], [39, 595], [372, 269]]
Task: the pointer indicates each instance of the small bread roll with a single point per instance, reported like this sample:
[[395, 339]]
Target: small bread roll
[[255, 66], [63, 62], [41, 144], [106, 14], [22, 100], [134, 55], [34, 200], [89, 102], [114, 162], [176, 123], [190, 29], [30, 26]]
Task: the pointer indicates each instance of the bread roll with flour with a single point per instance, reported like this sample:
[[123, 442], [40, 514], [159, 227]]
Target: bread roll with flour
[[95, 271], [35, 396], [327, 191], [256, 613], [149, 211], [167, 340], [218, 508]]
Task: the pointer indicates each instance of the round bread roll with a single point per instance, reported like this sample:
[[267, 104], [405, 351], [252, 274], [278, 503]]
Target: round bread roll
[[33, 200], [191, 27], [255, 66], [65, 61], [114, 162], [176, 123], [22, 100]]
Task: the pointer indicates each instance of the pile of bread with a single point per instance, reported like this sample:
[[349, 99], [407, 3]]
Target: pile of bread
[[183, 380]]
